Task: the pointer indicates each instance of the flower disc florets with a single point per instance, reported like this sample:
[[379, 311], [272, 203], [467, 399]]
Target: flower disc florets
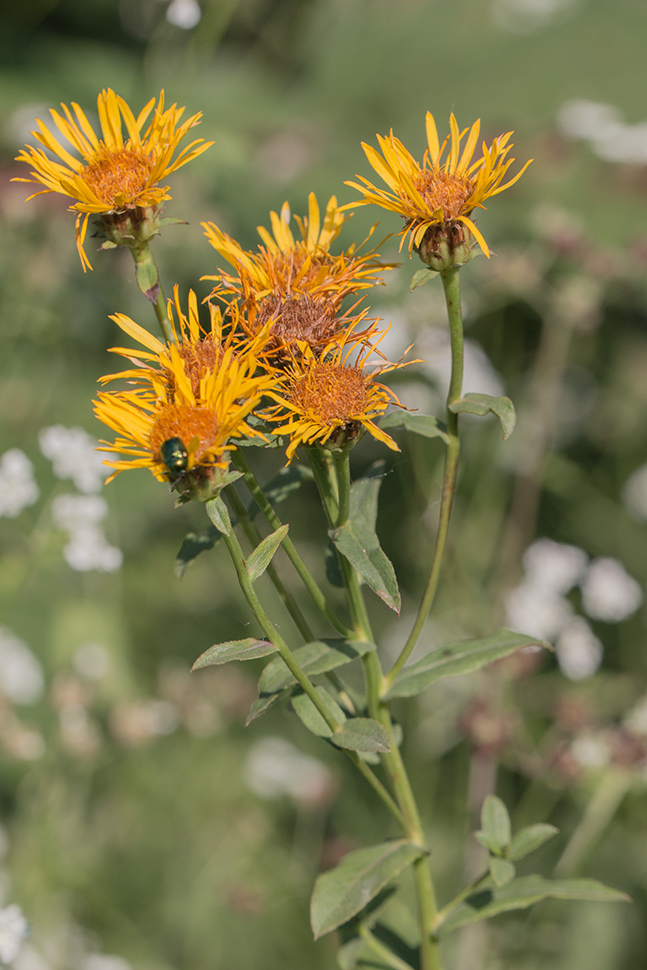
[[327, 400]]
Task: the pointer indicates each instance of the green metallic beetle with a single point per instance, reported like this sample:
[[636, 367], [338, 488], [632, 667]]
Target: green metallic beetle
[[175, 457]]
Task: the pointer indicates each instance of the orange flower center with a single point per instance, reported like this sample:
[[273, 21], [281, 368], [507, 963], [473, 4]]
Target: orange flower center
[[331, 392], [186, 424], [298, 318], [117, 177], [446, 191]]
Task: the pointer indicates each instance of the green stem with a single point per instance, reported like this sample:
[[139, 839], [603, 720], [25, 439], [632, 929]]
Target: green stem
[[378, 947], [272, 634], [443, 913], [614, 785], [451, 284], [379, 711], [255, 537], [148, 280], [308, 580]]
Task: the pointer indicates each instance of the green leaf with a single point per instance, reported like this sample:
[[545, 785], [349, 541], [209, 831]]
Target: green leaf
[[529, 839], [501, 870], [358, 541], [422, 424], [459, 658], [362, 734], [523, 893], [147, 278], [222, 653], [262, 703], [290, 478], [262, 555], [422, 276], [495, 823], [310, 716], [341, 893], [217, 512], [314, 658], [194, 543], [502, 407]]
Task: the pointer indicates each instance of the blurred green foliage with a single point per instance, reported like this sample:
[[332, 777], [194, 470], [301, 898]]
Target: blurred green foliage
[[133, 831]]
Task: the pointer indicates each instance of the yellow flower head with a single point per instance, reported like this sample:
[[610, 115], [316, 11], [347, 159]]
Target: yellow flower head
[[295, 285], [330, 400], [439, 196], [196, 394], [117, 171]]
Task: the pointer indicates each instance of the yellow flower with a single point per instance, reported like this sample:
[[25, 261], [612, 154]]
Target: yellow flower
[[197, 393], [117, 171], [330, 400], [439, 196], [295, 285]]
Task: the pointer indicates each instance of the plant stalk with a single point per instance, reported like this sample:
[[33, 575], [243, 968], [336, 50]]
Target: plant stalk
[[451, 284]]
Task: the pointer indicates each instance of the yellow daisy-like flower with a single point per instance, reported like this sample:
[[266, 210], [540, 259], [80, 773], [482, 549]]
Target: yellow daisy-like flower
[[193, 400], [116, 171], [330, 400], [295, 286], [439, 196]]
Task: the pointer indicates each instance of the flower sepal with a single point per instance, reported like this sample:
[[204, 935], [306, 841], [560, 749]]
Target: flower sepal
[[447, 245], [203, 483], [344, 438]]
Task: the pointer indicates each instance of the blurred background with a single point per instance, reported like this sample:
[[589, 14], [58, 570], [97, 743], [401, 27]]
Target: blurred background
[[142, 825]]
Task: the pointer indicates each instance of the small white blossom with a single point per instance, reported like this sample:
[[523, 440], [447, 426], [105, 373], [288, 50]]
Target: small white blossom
[[634, 494], [536, 611], [554, 566], [636, 719], [88, 549], [73, 454], [185, 14], [591, 751], [275, 767], [18, 489], [609, 137], [527, 16], [13, 930], [579, 652], [21, 675], [609, 593]]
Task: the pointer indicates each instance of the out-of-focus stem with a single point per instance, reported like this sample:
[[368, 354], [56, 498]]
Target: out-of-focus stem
[[614, 785]]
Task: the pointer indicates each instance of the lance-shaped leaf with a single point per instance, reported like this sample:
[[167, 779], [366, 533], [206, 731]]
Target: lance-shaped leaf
[[194, 543], [521, 894], [314, 658], [422, 424], [529, 839], [357, 540], [501, 870], [217, 512], [262, 555], [290, 478], [422, 276], [459, 658], [222, 653], [362, 734], [341, 893], [496, 831], [310, 716], [262, 703], [502, 407]]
